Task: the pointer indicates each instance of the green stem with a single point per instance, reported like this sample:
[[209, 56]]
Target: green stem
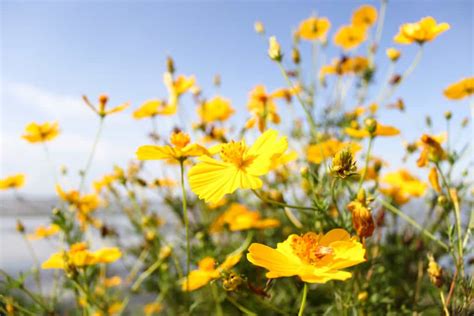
[[37, 267], [186, 223], [91, 155], [412, 222], [303, 299], [302, 208], [216, 300], [243, 309], [309, 116], [333, 196], [367, 158], [50, 163], [142, 277]]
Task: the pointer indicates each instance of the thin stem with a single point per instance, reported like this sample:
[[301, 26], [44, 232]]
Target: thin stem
[[303, 299], [50, 163], [412, 222], [216, 300], [142, 277], [243, 309], [367, 158], [380, 24], [309, 116], [333, 196], [302, 208], [186, 223], [443, 301], [413, 65], [37, 267], [91, 155]]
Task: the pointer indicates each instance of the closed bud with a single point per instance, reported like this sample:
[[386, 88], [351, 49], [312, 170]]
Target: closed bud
[[343, 164], [20, 227], [295, 55], [259, 27], [435, 272], [217, 80], [442, 200], [274, 49], [448, 115], [232, 282], [170, 65], [370, 125], [428, 121]]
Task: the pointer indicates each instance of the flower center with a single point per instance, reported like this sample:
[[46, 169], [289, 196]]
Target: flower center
[[309, 250], [234, 152], [180, 139]]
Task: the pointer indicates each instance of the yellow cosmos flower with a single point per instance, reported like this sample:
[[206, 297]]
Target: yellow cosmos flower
[[434, 180], [380, 130], [84, 203], [315, 258], [101, 109], [153, 108], [152, 309], [240, 167], [403, 186], [44, 231], [79, 256], [393, 54], [362, 220], [105, 182], [179, 150], [314, 28], [262, 107], [39, 133], [461, 89], [365, 15], [345, 66], [317, 153], [112, 281], [12, 182], [431, 150], [215, 109], [239, 217], [350, 36], [207, 272], [177, 86], [420, 32]]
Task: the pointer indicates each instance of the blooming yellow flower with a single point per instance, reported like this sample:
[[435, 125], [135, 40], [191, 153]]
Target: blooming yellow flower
[[317, 153], [350, 36], [380, 130], [177, 87], [461, 89], [239, 217], [393, 54], [402, 186], [365, 15], [420, 32], [44, 231], [345, 66], [262, 107], [12, 182], [79, 256], [215, 109], [240, 167], [314, 28], [101, 109], [315, 258], [38, 133], [207, 272], [153, 108], [84, 203]]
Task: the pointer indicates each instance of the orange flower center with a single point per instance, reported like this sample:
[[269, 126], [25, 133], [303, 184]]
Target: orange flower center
[[234, 152], [309, 250], [180, 139]]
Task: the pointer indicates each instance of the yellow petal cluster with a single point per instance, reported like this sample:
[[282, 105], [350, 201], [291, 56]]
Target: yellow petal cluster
[[314, 28], [12, 182], [349, 37], [39, 133], [152, 108], [44, 231], [461, 89], [321, 151], [215, 109], [315, 258], [420, 32]]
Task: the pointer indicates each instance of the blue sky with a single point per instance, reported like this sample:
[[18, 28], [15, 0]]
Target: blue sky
[[53, 52]]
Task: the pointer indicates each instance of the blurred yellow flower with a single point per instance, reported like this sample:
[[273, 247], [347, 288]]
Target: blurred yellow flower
[[461, 89], [239, 217], [434, 180], [315, 258], [112, 281], [317, 153], [12, 182], [262, 107], [177, 87], [314, 28], [79, 256], [207, 272], [215, 109], [380, 130], [402, 186], [152, 308], [431, 150], [365, 15], [240, 167], [362, 220], [350, 36], [274, 49], [420, 32], [38, 133], [44, 231], [153, 108], [259, 27], [101, 109], [179, 150], [84, 203], [393, 54], [345, 66]]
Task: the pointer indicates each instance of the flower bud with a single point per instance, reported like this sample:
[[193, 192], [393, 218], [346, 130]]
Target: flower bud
[[442, 200], [448, 115], [393, 54], [20, 227], [370, 125], [274, 49], [295, 55], [259, 27], [435, 272], [170, 65], [343, 164], [232, 282]]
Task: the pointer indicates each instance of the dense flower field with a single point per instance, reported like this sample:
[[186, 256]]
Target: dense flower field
[[267, 220]]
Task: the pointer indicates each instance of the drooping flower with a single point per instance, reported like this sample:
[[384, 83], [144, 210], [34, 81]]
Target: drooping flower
[[12, 182], [207, 271], [44, 231], [380, 130], [315, 258], [179, 150], [177, 86], [101, 109], [239, 217], [215, 109], [240, 167], [39, 133], [461, 89], [314, 28], [393, 54], [349, 37], [321, 151], [431, 150], [79, 256], [434, 180], [362, 220], [365, 15], [420, 32], [153, 108]]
